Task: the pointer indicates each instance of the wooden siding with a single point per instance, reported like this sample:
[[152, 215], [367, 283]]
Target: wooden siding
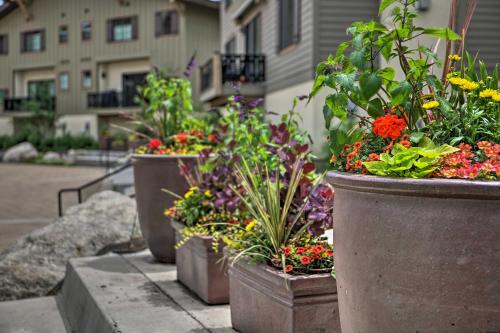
[[483, 32], [294, 65], [333, 19], [170, 51]]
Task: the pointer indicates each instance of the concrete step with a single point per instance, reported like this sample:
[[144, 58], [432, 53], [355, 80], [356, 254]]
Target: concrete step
[[37, 315], [132, 293]]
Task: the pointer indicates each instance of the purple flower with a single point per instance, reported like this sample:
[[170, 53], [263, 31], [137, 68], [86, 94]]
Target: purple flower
[[191, 66]]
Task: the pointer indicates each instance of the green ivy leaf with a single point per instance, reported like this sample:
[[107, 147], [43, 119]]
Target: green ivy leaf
[[346, 81], [337, 103], [384, 4], [375, 108], [444, 33], [358, 59], [370, 84], [401, 93]]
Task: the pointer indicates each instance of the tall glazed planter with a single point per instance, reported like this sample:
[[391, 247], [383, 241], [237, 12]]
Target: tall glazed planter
[[201, 269], [417, 255], [152, 173], [261, 302]]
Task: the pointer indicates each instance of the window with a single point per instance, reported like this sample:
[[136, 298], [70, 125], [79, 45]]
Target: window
[[33, 41], [87, 79], [40, 89], [4, 44], [63, 34], [64, 81], [230, 47], [122, 29], [86, 30], [4, 93], [252, 36], [289, 23], [166, 23]]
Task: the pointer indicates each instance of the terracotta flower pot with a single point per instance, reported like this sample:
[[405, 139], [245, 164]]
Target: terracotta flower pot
[[261, 302], [417, 255], [152, 173], [201, 269]]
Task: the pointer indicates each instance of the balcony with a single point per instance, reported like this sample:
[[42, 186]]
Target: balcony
[[223, 69], [111, 99], [25, 104]]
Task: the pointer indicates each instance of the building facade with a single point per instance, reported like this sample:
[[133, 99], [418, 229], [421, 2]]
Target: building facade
[[90, 55], [273, 46]]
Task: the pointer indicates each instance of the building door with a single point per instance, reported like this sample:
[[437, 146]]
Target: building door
[[130, 83]]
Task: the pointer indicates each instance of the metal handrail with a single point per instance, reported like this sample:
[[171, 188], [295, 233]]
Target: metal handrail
[[84, 186]]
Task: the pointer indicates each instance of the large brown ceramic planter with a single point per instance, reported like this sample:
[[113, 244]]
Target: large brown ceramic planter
[[152, 173], [417, 255], [201, 269], [261, 302]]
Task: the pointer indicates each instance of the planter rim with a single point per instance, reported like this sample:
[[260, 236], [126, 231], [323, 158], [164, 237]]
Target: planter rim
[[153, 156], [426, 187]]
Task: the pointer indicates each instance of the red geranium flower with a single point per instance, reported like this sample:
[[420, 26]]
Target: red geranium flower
[[287, 250], [389, 126], [212, 138], [182, 137], [305, 260], [154, 143], [329, 253], [288, 268], [318, 249]]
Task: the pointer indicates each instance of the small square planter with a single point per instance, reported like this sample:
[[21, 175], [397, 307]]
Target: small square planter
[[201, 269], [262, 303]]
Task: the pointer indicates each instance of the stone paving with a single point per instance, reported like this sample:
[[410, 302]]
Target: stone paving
[[28, 195]]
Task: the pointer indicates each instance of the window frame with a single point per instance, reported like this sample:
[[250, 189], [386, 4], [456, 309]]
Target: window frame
[[253, 28], [110, 29], [91, 79], [59, 81], [24, 44], [4, 45], [160, 15], [59, 34], [82, 34], [286, 41]]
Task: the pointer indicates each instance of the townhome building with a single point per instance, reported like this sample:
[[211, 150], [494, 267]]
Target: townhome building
[[90, 55], [272, 47]]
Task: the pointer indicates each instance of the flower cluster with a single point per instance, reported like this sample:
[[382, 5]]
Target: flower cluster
[[463, 84], [183, 143], [469, 163], [389, 126], [490, 94], [194, 206], [317, 256]]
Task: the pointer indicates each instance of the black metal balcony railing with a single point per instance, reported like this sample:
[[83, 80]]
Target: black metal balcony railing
[[244, 68], [111, 99], [23, 104]]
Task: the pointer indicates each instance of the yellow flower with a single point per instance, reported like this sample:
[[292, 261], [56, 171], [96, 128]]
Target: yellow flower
[[487, 93], [170, 211], [250, 226], [463, 84], [208, 194], [188, 194], [430, 105], [194, 188], [496, 97], [454, 57]]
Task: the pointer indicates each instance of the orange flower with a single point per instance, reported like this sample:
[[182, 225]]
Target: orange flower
[[329, 253], [317, 249], [333, 159], [212, 138], [389, 126], [288, 268], [305, 260], [300, 250], [287, 250], [405, 143], [182, 137]]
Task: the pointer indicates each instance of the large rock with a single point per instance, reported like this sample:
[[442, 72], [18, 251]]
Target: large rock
[[21, 152], [51, 156], [36, 263]]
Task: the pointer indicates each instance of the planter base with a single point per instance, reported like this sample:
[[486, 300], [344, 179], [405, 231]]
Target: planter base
[[201, 269], [261, 302]]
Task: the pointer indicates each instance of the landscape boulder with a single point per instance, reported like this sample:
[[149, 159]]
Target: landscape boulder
[[22, 152], [36, 263], [51, 156]]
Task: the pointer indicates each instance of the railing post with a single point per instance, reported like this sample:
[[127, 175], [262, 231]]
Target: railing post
[[217, 73]]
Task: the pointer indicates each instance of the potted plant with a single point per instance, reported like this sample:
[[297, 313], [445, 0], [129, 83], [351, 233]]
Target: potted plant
[[173, 136], [281, 266], [417, 197]]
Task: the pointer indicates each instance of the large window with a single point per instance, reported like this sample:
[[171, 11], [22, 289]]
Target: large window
[[289, 22], [122, 29], [166, 23], [40, 89], [33, 41], [63, 34], [86, 30], [4, 44], [87, 79], [64, 81], [252, 36]]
